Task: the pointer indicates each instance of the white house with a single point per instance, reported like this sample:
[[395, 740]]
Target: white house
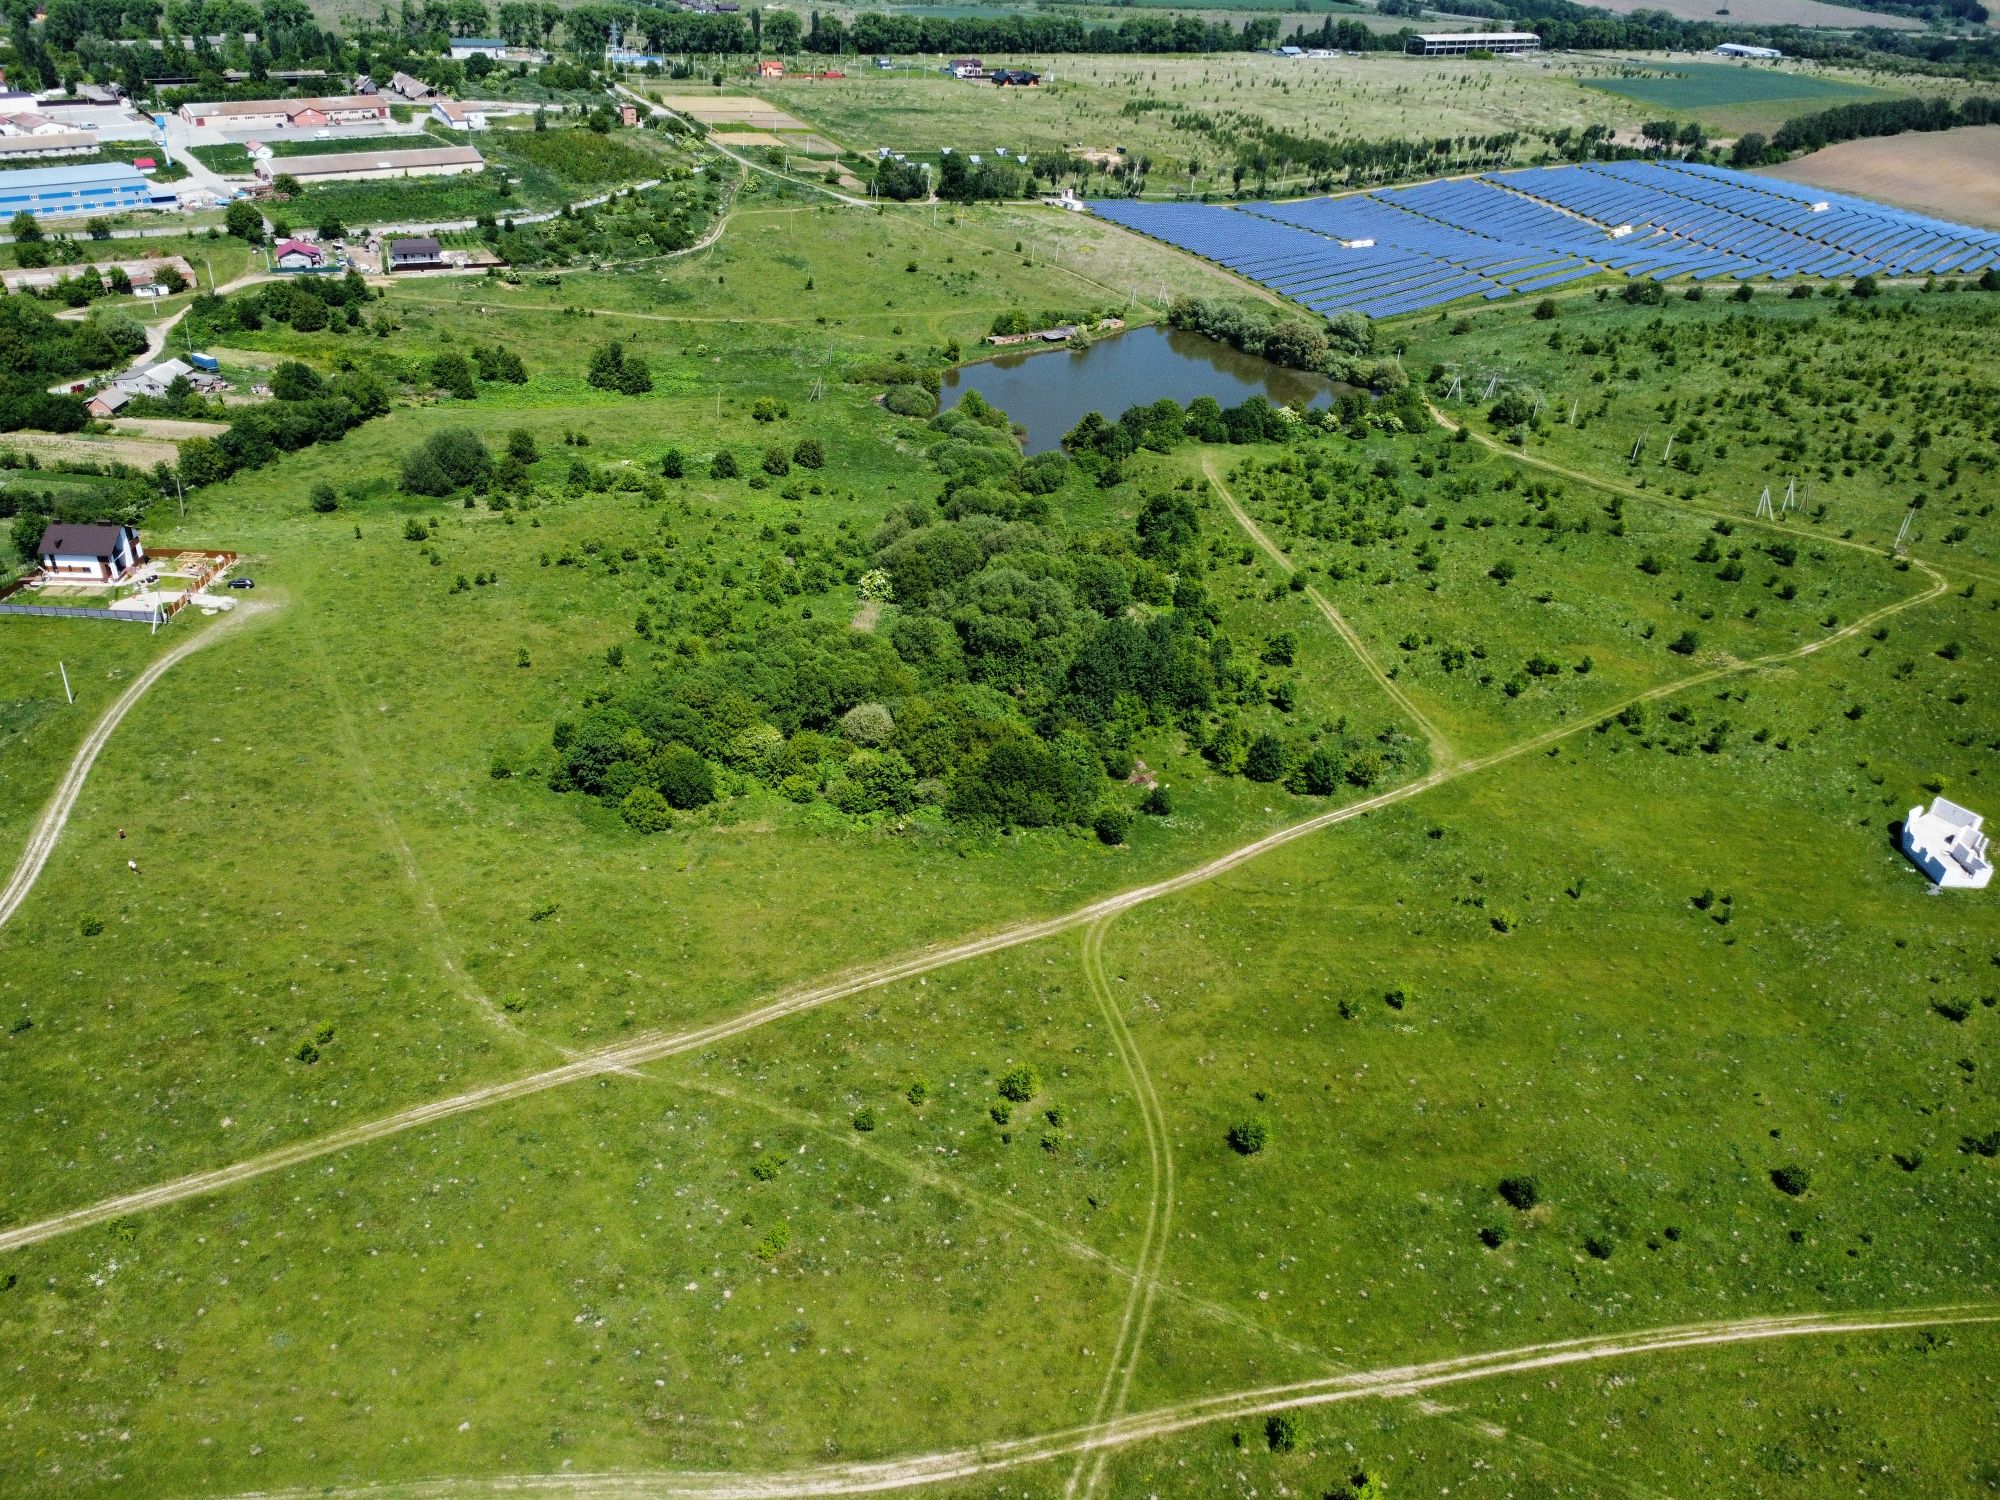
[[100, 552], [1946, 844], [154, 379], [458, 116]]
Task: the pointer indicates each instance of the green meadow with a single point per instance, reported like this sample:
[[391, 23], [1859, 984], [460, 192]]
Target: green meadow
[[1634, 940]]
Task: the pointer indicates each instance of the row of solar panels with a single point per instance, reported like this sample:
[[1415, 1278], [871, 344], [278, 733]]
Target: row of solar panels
[[1405, 249]]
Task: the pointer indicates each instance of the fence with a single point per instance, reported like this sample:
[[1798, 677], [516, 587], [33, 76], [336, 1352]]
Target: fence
[[154, 616], [204, 567]]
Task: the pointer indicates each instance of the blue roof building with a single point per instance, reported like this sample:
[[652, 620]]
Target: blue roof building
[[85, 188]]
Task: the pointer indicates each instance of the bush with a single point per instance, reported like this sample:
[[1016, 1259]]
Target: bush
[[1112, 823], [683, 777], [864, 1118], [1248, 1137], [765, 1167], [723, 465], [1281, 1431], [1520, 1192], [1020, 1084], [1157, 803], [917, 1093], [323, 498], [868, 724], [1493, 1236], [1792, 1181], [910, 401], [1266, 760], [1685, 644], [776, 462], [447, 461], [809, 453], [646, 810], [1598, 1246]]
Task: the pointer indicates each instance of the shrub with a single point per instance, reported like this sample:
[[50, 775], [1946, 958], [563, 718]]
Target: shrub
[[864, 1118], [809, 453], [683, 777], [1248, 1137], [1792, 1181], [1501, 572], [1520, 1192], [673, 464], [777, 463], [1281, 1431], [917, 1093], [90, 926], [1598, 1246], [910, 401], [723, 465], [646, 810], [447, 461], [1685, 644], [323, 498], [1020, 1084], [1157, 803], [765, 1167], [1112, 823], [1493, 1236], [868, 724], [1266, 760]]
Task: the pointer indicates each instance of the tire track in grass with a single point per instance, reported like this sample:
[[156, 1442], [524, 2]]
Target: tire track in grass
[[973, 1462], [42, 838], [1117, 1388], [1441, 751], [649, 1048]]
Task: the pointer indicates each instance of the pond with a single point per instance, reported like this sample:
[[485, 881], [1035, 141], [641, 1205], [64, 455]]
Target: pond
[[1049, 393]]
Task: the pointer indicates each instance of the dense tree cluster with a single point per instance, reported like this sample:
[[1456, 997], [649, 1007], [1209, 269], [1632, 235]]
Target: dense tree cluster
[[37, 349], [310, 410], [1339, 346], [1851, 122], [305, 304]]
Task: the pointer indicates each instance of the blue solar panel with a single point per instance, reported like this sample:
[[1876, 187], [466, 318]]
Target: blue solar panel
[[1525, 231]]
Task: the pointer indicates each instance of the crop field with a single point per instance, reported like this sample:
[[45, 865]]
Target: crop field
[[1549, 1080], [1772, 13], [1731, 97], [1948, 172]]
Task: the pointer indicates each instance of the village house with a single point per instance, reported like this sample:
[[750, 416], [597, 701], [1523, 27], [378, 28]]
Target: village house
[[107, 402], [770, 67], [298, 255], [98, 552], [461, 116], [419, 253]]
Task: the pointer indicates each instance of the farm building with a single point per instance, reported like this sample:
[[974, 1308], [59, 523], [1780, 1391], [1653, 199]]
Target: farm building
[[365, 166], [465, 47], [29, 123], [1947, 843], [153, 380], [414, 89], [461, 116], [1458, 43], [1015, 78], [107, 402], [1741, 49], [298, 255], [80, 188], [65, 143], [101, 552], [276, 114], [421, 253]]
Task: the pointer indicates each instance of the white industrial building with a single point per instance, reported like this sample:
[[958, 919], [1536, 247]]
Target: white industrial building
[[1947, 844], [1743, 49], [1458, 43], [362, 166]]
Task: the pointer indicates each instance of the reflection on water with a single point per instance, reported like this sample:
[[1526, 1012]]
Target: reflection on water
[[1049, 393]]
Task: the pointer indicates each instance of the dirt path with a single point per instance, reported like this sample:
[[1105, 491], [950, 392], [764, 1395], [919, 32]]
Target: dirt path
[[1441, 752], [793, 1002], [42, 840], [1088, 1474], [1166, 1421]]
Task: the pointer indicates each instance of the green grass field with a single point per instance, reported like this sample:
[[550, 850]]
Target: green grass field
[[1644, 955], [1732, 97]]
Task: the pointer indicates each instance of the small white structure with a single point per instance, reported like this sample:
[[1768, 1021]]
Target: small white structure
[[1946, 844], [1741, 49]]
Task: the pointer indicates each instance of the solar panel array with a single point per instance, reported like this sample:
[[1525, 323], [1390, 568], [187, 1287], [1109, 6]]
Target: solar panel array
[[1399, 250]]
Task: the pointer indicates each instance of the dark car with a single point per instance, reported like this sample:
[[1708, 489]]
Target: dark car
[[242, 583]]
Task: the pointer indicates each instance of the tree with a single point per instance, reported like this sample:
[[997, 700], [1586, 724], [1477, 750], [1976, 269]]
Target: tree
[[809, 453], [323, 498], [285, 185], [451, 373], [673, 464], [26, 229], [723, 465], [1266, 760], [521, 445], [1112, 823], [646, 810], [245, 221], [446, 461], [1281, 1432], [1792, 1181], [292, 381], [776, 463], [1749, 150], [683, 777], [1522, 1193]]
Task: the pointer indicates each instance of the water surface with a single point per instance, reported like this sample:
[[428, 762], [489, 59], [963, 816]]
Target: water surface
[[1049, 393]]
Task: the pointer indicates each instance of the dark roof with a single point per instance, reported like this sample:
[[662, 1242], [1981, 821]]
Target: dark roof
[[421, 246], [80, 539]]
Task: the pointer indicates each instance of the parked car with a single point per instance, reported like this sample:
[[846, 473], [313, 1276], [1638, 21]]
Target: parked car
[[242, 583]]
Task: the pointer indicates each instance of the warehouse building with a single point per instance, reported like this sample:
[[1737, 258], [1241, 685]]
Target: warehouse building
[[276, 114], [363, 166], [1458, 43], [80, 188], [68, 143]]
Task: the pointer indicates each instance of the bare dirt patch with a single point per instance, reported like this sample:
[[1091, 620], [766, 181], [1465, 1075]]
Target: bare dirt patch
[[1954, 174], [712, 110], [1765, 12], [167, 427], [137, 452]]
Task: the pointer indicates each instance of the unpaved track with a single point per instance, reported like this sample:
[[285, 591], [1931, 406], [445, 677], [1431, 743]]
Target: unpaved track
[[1117, 1389], [42, 841], [1165, 1421], [646, 1049], [1441, 751]]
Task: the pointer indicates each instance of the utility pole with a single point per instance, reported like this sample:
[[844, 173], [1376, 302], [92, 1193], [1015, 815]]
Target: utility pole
[[65, 677]]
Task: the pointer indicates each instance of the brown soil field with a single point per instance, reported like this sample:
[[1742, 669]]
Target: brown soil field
[[1954, 174], [167, 427], [134, 451]]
